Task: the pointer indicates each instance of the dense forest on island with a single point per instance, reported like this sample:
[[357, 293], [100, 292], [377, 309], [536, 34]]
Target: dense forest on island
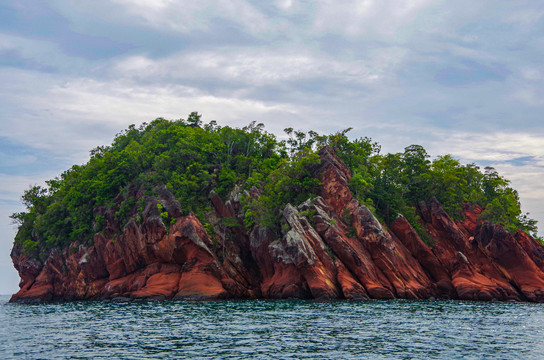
[[194, 160]]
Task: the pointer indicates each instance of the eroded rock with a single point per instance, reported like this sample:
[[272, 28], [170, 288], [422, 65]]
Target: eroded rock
[[328, 247]]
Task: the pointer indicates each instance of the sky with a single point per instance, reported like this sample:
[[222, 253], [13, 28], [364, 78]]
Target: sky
[[458, 77]]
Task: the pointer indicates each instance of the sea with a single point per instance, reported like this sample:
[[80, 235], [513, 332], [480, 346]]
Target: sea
[[265, 329]]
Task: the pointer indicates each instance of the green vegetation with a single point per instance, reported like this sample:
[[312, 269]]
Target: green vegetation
[[309, 214], [399, 181], [167, 220], [193, 159]]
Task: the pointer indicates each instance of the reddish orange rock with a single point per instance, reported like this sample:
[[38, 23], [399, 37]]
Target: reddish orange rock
[[199, 284], [532, 247], [470, 222], [334, 176], [428, 261], [512, 260], [160, 285], [473, 274], [351, 252], [351, 288], [328, 247], [296, 264], [403, 272]]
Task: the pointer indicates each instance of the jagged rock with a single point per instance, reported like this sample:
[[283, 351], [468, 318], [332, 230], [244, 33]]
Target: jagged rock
[[351, 252], [512, 260], [295, 264], [532, 247], [28, 267], [478, 278], [470, 222], [328, 247], [395, 261], [428, 261], [334, 176], [351, 288]]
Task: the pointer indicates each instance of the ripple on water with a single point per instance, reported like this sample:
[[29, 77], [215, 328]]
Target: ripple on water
[[272, 330]]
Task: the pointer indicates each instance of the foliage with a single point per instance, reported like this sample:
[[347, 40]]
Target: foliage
[[230, 222], [309, 214], [193, 159], [166, 219], [291, 182], [393, 184], [190, 158]]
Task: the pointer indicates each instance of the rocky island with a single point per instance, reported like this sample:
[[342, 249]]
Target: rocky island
[[185, 211]]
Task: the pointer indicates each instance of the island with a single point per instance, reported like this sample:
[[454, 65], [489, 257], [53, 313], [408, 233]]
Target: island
[[182, 210]]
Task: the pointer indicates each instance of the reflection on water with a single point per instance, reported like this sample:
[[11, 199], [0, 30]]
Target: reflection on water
[[272, 330]]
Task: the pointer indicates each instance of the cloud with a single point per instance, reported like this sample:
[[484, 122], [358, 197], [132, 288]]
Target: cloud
[[531, 74], [497, 146], [529, 96], [40, 55], [524, 17], [188, 16], [285, 5], [13, 186], [382, 19], [105, 99], [258, 67], [68, 117]]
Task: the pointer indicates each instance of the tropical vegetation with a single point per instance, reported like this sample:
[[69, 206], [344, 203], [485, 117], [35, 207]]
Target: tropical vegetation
[[195, 159]]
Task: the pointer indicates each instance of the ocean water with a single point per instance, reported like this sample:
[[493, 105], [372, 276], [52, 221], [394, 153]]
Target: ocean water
[[292, 329]]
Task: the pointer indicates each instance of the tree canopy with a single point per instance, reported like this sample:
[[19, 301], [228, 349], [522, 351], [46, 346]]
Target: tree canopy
[[193, 159]]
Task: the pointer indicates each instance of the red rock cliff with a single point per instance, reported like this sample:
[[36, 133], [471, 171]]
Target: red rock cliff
[[329, 247]]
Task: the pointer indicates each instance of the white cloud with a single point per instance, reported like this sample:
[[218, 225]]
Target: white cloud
[[284, 4], [187, 16], [383, 19], [531, 74], [106, 100], [13, 187], [70, 116], [529, 96], [497, 146], [257, 67]]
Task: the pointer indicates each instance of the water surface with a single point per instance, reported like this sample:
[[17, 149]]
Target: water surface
[[272, 330]]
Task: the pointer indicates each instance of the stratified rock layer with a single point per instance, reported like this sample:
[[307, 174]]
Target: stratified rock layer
[[329, 247]]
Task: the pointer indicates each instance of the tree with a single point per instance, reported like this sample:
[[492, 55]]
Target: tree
[[194, 119], [192, 161]]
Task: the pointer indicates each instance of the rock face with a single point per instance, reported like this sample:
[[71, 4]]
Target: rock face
[[330, 247]]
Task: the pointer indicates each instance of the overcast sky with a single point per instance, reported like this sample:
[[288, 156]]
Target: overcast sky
[[459, 77]]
